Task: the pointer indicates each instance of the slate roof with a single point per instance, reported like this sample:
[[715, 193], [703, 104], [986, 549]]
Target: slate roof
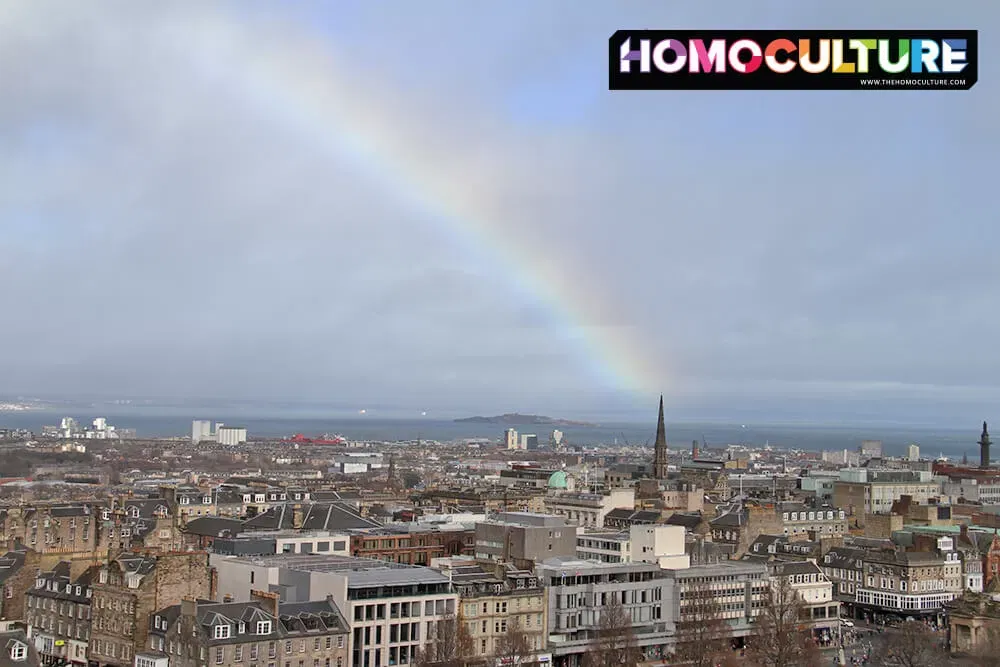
[[12, 638], [10, 563], [65, 589], [316, 516], [211, 526], [689, 521], [293, 619]]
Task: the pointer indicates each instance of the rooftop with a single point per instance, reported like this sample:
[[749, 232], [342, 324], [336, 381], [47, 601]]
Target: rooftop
[[360, 572]]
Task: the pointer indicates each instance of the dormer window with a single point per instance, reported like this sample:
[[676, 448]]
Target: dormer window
[[18, 652], [207, 500], [133, 512], [242, 627], [106, 514], [185, 500], [263, 627], [156, 622], [39, 583], [222, 631], [246, 497]]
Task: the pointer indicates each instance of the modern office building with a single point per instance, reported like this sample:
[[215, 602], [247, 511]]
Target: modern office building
[[392, 609], [578, 592]]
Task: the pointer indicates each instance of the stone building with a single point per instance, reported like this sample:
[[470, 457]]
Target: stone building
[[58, 615], [738, 526], [145, 524], [417, 545], [974, 621], [496, 598], [58, 532], [132, 587], [263, 631], [17, 576], [816, 592]]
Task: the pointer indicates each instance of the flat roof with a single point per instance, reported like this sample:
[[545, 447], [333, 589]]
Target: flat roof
[[360, 572]]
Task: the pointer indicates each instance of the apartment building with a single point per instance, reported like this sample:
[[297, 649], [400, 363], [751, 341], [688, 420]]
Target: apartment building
[[815, 589], [578, 591], [17, 575], [495, 597], [588, 509], [56, 531], [263, 631], [129, 589], [895, 583], [58, 615], [798, 520]]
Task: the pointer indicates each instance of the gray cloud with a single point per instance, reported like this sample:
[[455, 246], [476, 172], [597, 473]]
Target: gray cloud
[[168, 228]]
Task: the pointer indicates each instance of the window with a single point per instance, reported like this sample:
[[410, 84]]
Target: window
[[222, 631], [263, 627], [220, 655], [18, 652]]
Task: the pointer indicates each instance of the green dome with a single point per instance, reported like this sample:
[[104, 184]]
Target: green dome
[[557, 480]]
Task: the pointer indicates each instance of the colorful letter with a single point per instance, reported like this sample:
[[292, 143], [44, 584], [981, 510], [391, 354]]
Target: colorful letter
[[786, 46], [628, 55], [887, 65], [862, 47], [669, 45], [839, 66], [756, 56], [954, 58], [821, 63], [923, 56], [703, 60]]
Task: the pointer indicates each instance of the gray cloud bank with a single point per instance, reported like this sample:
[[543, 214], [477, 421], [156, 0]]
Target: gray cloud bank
[[167, 230]]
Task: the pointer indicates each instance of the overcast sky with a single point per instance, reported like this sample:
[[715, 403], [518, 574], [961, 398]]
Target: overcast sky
[[439, 205]]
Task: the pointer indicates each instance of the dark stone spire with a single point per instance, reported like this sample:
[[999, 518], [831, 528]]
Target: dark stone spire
[[660, 455], [984, 448]]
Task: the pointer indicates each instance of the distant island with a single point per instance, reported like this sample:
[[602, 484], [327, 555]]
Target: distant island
[[515, 419]]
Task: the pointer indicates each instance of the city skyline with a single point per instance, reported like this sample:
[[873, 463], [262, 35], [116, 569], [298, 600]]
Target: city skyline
[[253, 202]]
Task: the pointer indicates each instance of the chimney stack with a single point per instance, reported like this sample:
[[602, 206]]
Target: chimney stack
[[269, 601]]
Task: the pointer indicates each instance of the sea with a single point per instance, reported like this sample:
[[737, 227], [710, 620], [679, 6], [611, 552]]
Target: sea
[[933, 442]]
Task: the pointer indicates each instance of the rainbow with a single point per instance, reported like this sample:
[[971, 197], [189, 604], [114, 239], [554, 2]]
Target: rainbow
[[298, 80]]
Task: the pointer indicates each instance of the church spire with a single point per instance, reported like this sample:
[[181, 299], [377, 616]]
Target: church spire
[[660, 451], [984, 448]]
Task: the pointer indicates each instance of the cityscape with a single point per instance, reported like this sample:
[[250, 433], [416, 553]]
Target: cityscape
[[504, 551], [499, 334]]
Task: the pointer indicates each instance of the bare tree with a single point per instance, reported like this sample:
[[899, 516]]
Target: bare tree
[[615, 644], [781, 638], [513, 647], [911, 644], [703, 636], [450, 645]]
